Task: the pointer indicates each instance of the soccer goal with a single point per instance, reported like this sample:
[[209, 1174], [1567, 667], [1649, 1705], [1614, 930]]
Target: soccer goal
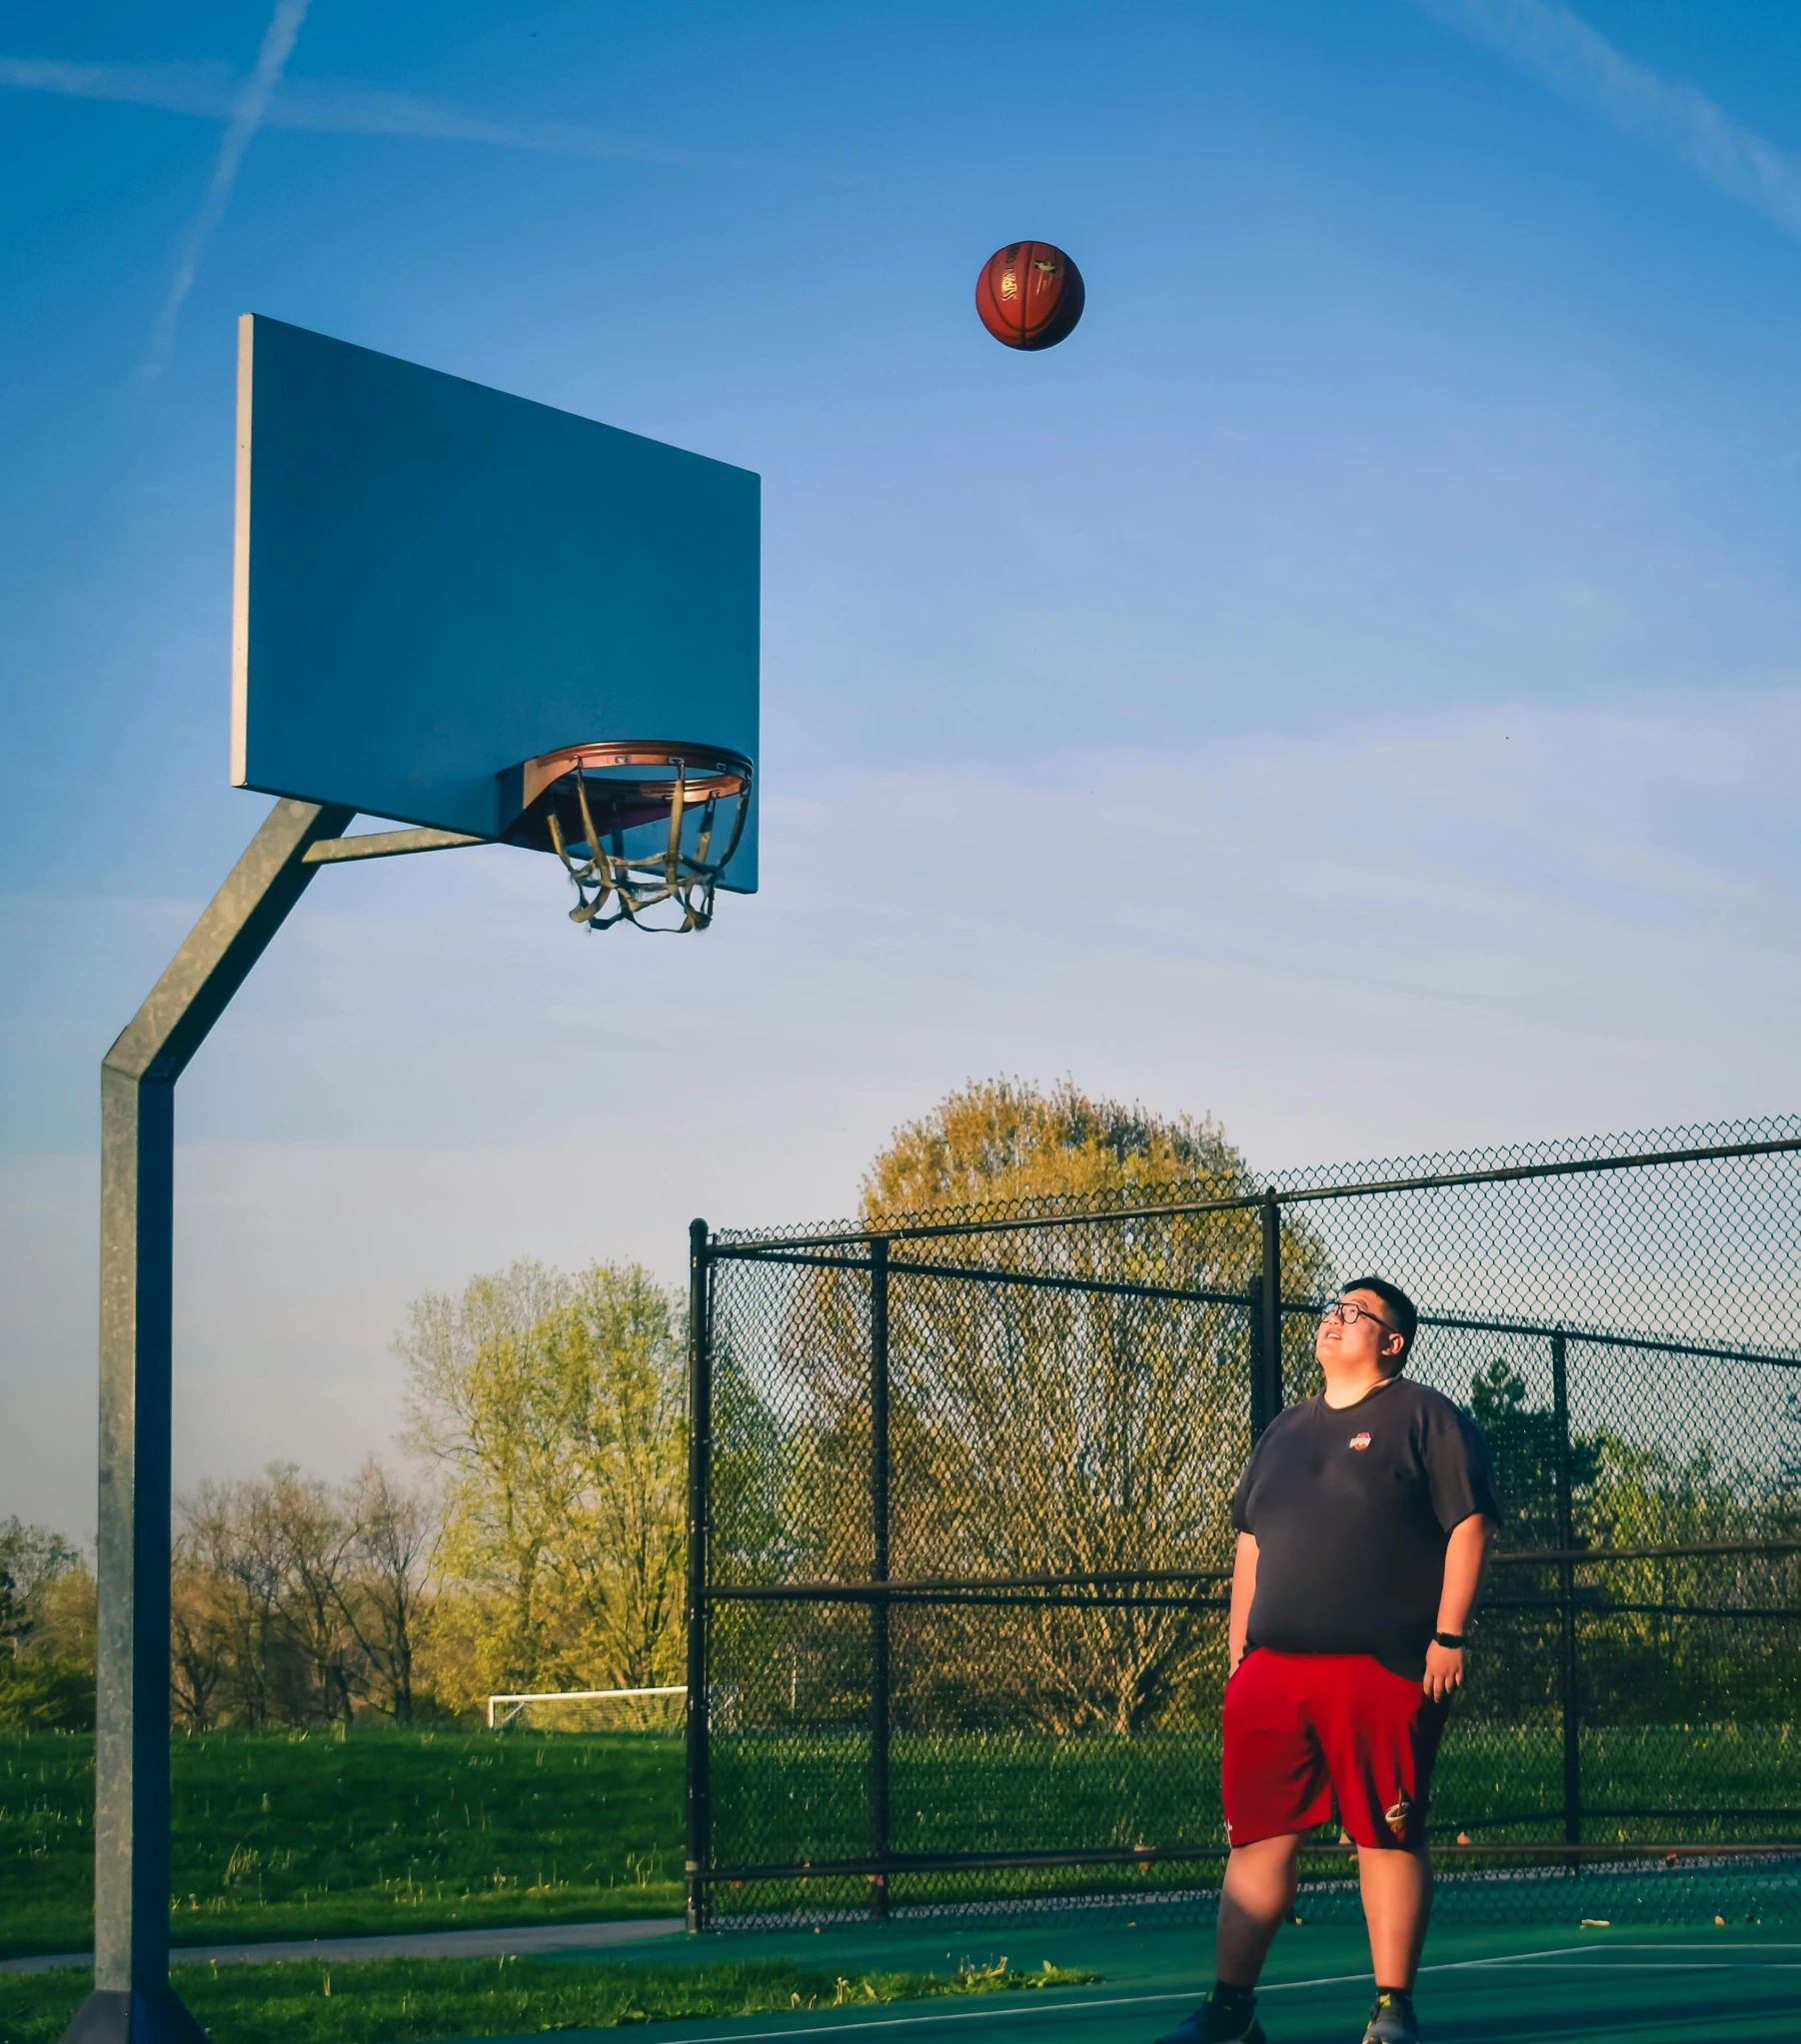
[[590, 1710]]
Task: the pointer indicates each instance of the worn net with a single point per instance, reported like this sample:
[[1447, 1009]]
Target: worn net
[[967, 1535]]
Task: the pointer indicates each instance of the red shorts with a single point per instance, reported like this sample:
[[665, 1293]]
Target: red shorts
[[1301, 1728]]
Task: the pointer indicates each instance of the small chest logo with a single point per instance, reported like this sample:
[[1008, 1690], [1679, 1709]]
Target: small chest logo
[[1359, 1441]]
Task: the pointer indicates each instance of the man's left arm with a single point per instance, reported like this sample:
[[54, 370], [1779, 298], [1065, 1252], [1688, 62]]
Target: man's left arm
[[1466, 1556]]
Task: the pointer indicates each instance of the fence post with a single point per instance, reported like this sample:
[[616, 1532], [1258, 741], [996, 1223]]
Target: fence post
[[1267, 1323], [700, 1466], [879, 1606], [1566, 1601]]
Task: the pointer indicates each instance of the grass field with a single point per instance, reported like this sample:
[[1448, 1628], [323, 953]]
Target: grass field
[[287, 1835], [281, 1835], [804, 1796], [403, 1999]]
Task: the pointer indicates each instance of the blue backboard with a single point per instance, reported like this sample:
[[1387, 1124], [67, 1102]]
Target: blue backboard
[[437, 583]]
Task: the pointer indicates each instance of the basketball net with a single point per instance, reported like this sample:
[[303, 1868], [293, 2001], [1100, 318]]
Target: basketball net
[[611, 887]]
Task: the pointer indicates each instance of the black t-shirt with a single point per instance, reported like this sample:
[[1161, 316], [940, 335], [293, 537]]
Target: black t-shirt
[[1351, 1508]]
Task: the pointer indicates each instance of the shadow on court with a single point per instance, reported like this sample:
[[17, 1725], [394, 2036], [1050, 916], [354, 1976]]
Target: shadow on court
[[1655, 1986]]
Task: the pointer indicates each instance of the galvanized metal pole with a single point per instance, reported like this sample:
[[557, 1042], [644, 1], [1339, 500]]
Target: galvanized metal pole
[[132, 2002], [879, 1606], [1566, 1600], [699, 1455]]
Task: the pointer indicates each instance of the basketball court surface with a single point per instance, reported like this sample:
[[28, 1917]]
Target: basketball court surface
[[1654, 1985]]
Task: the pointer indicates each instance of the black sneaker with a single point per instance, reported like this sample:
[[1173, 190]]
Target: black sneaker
[[1392, 2021], [1218, 2022]]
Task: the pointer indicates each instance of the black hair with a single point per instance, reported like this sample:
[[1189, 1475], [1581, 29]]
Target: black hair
[[1402, 1309]]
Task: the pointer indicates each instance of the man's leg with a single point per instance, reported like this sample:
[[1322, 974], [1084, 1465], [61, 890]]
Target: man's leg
[[1398, 1900], [1256, 1899], [1382, 1738], [1272, 1776]]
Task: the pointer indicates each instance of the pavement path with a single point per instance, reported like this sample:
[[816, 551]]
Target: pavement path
[[427, 1944]]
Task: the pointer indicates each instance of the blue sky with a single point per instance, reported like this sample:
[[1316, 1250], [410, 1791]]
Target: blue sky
[[1350, 687]]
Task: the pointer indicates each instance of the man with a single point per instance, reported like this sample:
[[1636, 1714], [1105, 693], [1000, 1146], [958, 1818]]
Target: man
[[1364, 1519]]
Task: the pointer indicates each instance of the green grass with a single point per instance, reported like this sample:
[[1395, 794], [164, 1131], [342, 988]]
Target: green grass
[[396, 1999], [785, 1796], [280, 1836], [285, 1835]]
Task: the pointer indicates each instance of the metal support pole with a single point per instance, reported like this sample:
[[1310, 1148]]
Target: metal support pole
[[1266, 1322], [879, 1607], [700, 1462], [1566, 1601], [1272, 1307], [132, 2002]]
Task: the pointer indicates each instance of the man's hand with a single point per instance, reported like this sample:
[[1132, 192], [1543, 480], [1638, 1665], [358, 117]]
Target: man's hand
[[1466, 1556], [1444, 1671]]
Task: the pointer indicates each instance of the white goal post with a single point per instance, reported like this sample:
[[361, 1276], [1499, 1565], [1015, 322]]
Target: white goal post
[[520, 1700]]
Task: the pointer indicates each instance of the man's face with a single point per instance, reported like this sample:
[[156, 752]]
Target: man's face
[[1357, 1336]]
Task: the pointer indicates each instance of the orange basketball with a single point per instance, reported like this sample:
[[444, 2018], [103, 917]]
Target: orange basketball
[[1030, 295]]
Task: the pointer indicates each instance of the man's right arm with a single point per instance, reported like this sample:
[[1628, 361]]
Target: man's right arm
[[1244, 1588]]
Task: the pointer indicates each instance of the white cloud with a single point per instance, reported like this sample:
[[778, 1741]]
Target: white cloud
[[1480, 928], [1561, 48]]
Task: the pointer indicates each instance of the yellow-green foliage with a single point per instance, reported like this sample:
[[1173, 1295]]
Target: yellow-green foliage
[[1004, 1138], [46, 1632], [1051, 1426], [556, 1407]]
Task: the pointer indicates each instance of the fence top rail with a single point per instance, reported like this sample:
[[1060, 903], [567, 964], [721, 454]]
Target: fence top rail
[[1599, 1337], [925, 1586], [830, 1588], [1683, 1551], [798, 1256], [768, 1247]]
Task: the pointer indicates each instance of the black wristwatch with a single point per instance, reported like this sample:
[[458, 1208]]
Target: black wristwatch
[[1448, 1639]]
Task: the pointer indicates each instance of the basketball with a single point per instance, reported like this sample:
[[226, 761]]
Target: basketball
[[1030, 295]]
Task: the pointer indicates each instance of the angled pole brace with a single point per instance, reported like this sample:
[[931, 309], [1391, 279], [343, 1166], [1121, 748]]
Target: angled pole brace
[[132, 2001]]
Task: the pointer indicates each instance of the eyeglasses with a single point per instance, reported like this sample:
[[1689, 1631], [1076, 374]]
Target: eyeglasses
[[1348, 1311]]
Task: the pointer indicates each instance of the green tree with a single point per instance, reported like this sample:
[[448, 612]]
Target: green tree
[[1523, 1442], [14, 1625], [1044, 1422], [46, 1631], [622, 1339], [1655, 1647], [1003, 1140], [556, 1408], [32, 1558]]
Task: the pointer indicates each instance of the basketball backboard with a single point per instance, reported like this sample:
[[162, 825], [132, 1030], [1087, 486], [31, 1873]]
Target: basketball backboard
[[462, 610]]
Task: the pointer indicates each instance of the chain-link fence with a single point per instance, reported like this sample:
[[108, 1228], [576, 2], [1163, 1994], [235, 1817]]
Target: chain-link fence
[[960, 1546]]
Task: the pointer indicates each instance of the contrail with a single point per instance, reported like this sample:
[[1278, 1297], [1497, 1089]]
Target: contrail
[[334, 106], [1583, 64], [247, 117]]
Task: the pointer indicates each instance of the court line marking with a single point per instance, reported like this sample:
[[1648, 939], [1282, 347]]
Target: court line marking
[[1699, 1945], [1678, 1966], [1600, 1958], [1033, 2008], [1045, 2008]]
